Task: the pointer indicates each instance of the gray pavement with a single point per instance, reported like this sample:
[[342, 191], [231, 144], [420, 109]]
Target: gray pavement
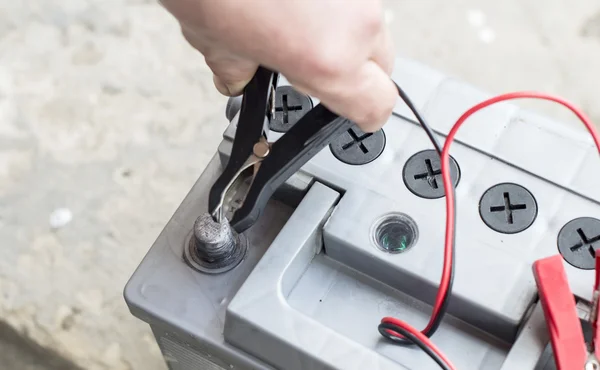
[[107, 117], [19, 353]]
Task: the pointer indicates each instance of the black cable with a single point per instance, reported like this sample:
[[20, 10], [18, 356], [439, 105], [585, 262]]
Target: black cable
[[408, 335], [424, 125], [437, 320]]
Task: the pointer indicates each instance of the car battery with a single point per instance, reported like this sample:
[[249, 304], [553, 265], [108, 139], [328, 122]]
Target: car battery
[[358, 234]]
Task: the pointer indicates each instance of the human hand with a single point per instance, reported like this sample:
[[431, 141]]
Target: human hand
[[338, 51]]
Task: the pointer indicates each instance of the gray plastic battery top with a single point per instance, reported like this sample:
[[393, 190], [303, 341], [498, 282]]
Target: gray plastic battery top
[[321, 270]]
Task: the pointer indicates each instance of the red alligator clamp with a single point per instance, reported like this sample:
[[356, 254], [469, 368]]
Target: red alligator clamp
[[558, 303]]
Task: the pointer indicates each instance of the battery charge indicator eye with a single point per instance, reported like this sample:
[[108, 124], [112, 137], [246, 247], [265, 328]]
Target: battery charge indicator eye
[[395, 233]]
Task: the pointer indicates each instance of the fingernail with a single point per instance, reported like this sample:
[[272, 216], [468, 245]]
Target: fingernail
[[221, 86], [370, 128], [232, 89]]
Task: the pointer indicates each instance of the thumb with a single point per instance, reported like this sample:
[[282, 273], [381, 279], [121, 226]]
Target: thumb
[[231, 72], [231, 87]]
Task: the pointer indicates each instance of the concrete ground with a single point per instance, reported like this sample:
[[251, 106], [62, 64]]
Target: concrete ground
[[19, 353], [107, 117]]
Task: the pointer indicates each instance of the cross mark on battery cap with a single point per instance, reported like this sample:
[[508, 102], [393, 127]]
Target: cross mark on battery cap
[[422, 174], [357, 140], [430, 174], [508, 208], [355, 147], [578, 241], [286, 108], [585, 242]]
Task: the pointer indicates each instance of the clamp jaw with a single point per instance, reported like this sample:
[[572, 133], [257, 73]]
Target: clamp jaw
[[558, 303], [271, 163]]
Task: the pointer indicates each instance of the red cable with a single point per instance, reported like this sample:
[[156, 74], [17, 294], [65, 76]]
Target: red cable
[[423, 338], [445, 159]]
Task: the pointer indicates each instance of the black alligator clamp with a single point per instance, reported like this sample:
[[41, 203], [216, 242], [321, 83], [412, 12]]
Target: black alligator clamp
[[258, 167]]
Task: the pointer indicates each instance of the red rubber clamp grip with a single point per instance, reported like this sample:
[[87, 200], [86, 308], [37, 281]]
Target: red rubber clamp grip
[[558, 302]]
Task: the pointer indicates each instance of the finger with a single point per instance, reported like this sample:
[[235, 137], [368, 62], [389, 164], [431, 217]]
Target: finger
[[231, 72], [383, 53], [366, 97], [231, 80]]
